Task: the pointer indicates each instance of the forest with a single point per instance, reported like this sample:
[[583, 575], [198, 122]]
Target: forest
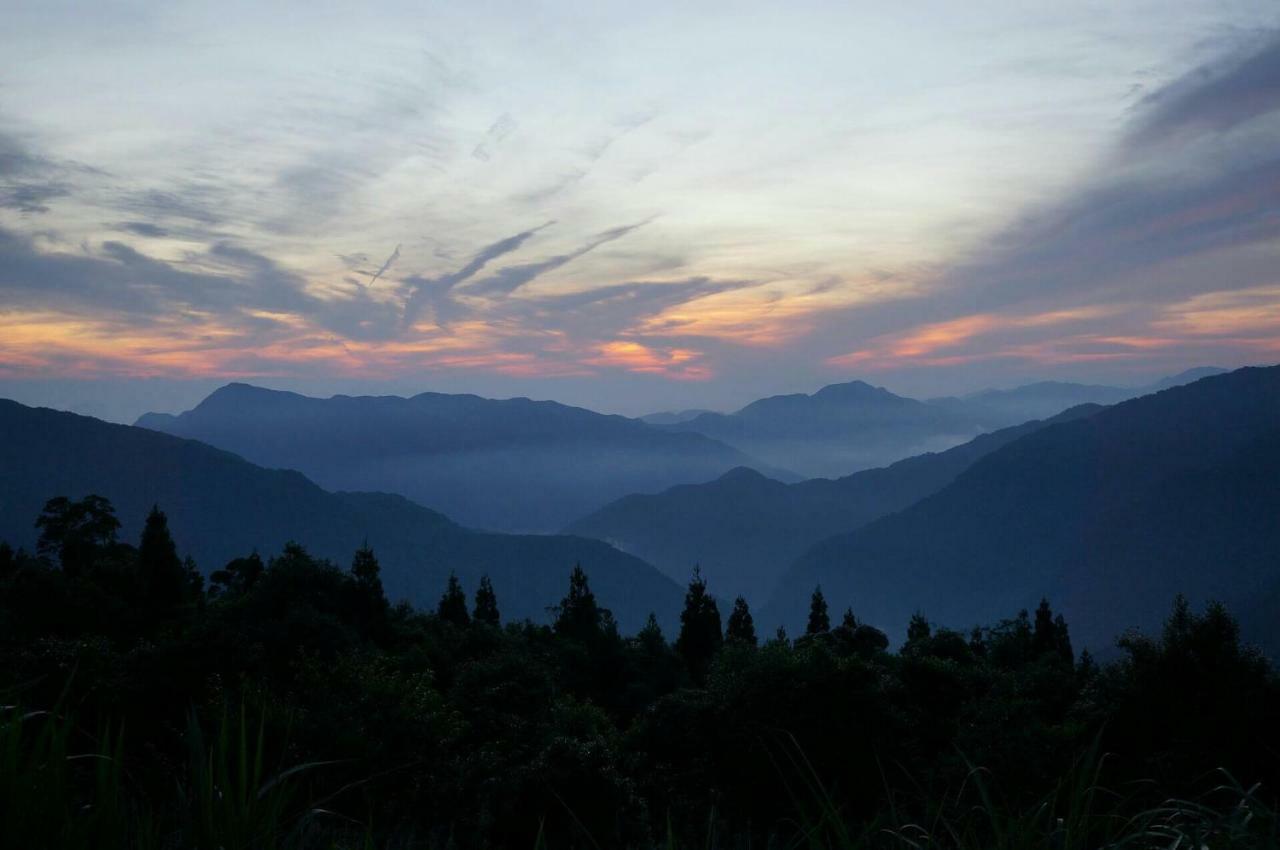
[[281, 700]]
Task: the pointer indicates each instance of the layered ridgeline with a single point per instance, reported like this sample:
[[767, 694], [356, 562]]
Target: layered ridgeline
[[996, 408], [837, 430], [220, 507], [509, 465], [744, 529], [843, 428], [1109, 516]]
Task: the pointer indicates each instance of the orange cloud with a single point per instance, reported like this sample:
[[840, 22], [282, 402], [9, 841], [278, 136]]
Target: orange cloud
[[1241, 312], [634, 357], [925, 342]]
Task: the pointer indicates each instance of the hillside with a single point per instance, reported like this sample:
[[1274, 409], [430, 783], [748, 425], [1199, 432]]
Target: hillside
[[221, 506], [1109, 516], [745, 529], [508, 465], [837, 430]]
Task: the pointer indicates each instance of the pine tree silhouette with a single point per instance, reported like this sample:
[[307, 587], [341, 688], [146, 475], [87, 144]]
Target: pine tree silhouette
[[160, 571], [578, 616], [819, 621], [741, 626], [700, 634], [453, 604], [486, 604]]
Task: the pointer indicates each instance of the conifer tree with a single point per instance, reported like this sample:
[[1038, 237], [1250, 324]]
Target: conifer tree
[[741, 626], [578, 616], [1044, 639], [1062, 641], [367, 573], [366, 570], [918, 629], [848, 621], [700, 634], [453, 604], [486, 604], [819, 621], [164, 581], [650, 637]]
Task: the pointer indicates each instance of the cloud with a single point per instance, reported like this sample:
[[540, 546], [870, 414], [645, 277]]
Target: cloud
[[509, 279], [192, 202], [434, 293], [395, 255], [678, 363], [28, 181], [1214, 98], [143, 228], [1178, 206]]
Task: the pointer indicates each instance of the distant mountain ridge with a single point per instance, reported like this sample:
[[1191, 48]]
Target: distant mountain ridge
[[846, 427], [1109, 516], [221, 506], [744, 529], [510, 465], [839, 429], [997, 408]]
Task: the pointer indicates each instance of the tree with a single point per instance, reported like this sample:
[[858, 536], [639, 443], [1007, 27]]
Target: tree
[[700, 634], [741, 627], [918, 630], [8, 561], [76, 532], [366, 572], [1062, 641], [193, 578], [238, 577], [1044, 638], [977, 643], [650, 637], [160, 570], [819, 621], [578, 615], [486, 605], [453, 604]]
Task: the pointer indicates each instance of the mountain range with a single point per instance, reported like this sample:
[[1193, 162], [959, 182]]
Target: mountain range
[[220, 507], [507, 465], [1109, 515], [844, 428], [744, 529]]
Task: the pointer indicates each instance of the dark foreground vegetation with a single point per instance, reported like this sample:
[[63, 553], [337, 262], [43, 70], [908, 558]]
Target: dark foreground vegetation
[[285, 703]]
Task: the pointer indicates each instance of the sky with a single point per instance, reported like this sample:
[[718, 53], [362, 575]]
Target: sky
[[631, 207]]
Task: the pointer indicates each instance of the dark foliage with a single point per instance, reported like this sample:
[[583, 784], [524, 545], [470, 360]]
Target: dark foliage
[[391, 727]]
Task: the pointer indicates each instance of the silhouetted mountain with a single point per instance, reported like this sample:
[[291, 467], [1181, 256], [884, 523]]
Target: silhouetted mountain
[[672, 417], [745, 529], [511, 465], [221, 506], [839, 429], [1001, 408], [1109, 516]]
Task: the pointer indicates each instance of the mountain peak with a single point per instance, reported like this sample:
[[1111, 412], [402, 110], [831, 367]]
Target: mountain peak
[[742, 474], [853, 391]]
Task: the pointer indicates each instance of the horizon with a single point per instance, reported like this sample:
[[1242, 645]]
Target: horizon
[[179, 397], [410, 201]]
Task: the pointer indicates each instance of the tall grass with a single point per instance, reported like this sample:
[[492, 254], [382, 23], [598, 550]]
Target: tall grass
[[64, 789], [1080, 814]]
